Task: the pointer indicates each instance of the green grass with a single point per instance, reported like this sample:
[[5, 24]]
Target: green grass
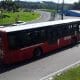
[[23, 16], [72, 74]]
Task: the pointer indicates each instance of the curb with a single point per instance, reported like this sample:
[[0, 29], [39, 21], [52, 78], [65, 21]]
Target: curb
[[50, 76]]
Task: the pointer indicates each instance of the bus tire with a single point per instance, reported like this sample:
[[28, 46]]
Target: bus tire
[[37, 53]]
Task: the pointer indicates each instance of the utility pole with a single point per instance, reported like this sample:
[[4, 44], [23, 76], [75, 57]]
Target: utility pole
[[62, 10]]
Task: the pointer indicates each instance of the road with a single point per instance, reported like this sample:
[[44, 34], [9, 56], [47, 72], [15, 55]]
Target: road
[[58, 17], [45, 16], [40, 68]]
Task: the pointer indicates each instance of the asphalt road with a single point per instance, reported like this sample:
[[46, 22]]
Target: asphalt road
[[45, 16], [58, 17], [40, 68]]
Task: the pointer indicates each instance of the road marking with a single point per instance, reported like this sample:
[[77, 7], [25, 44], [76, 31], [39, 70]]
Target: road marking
[[60, 71]]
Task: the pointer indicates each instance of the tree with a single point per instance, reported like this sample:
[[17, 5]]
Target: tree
[[76, 5], [9, 5]]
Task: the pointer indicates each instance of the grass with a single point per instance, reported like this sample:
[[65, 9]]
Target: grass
[[10, 17], [71, 74]]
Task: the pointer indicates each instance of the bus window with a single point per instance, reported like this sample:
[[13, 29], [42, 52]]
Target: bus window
[[0, 42], [12, 41], [28, 38], [68, 30], [36, 37], [59, 31], [75, 28], [24, 39], [65, 30], [79, 28], [20, 40], [52, 35], [43, 35]]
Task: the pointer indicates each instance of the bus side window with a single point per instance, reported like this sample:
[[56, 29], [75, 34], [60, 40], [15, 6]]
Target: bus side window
[[36, 37], [42, 35], [66, 31], [0, 41], [28, 38], [63, 31], [59, 31], [79, 28], [52, 35], [19, 40], [75, 28], [24, 39], [70, 29], [12, 41]]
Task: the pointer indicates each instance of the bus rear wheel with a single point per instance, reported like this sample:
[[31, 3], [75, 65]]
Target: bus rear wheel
[[37, 53]]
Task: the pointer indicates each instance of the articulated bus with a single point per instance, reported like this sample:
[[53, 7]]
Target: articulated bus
[[19, 43]]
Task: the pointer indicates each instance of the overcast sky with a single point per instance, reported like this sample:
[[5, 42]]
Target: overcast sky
[[60, 1], [66, 1]]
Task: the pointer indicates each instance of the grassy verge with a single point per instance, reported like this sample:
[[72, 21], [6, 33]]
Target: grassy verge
[[10, 17], [71, 74]]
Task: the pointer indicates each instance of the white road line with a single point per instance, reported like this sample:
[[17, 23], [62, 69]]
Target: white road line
[[59, 71]]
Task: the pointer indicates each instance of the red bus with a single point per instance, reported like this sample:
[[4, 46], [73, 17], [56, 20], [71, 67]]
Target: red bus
[[18, 43]]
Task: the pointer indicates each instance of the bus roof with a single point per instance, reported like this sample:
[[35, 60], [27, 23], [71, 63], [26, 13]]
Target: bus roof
[[36, 25]]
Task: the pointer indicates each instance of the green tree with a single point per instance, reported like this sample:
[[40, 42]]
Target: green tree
[[76, 5], [9, 5]]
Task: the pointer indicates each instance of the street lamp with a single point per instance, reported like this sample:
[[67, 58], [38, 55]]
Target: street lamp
[[62, 10]]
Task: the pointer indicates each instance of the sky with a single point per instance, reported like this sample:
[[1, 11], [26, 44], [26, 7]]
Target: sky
[[57, 1], [66, 1]]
